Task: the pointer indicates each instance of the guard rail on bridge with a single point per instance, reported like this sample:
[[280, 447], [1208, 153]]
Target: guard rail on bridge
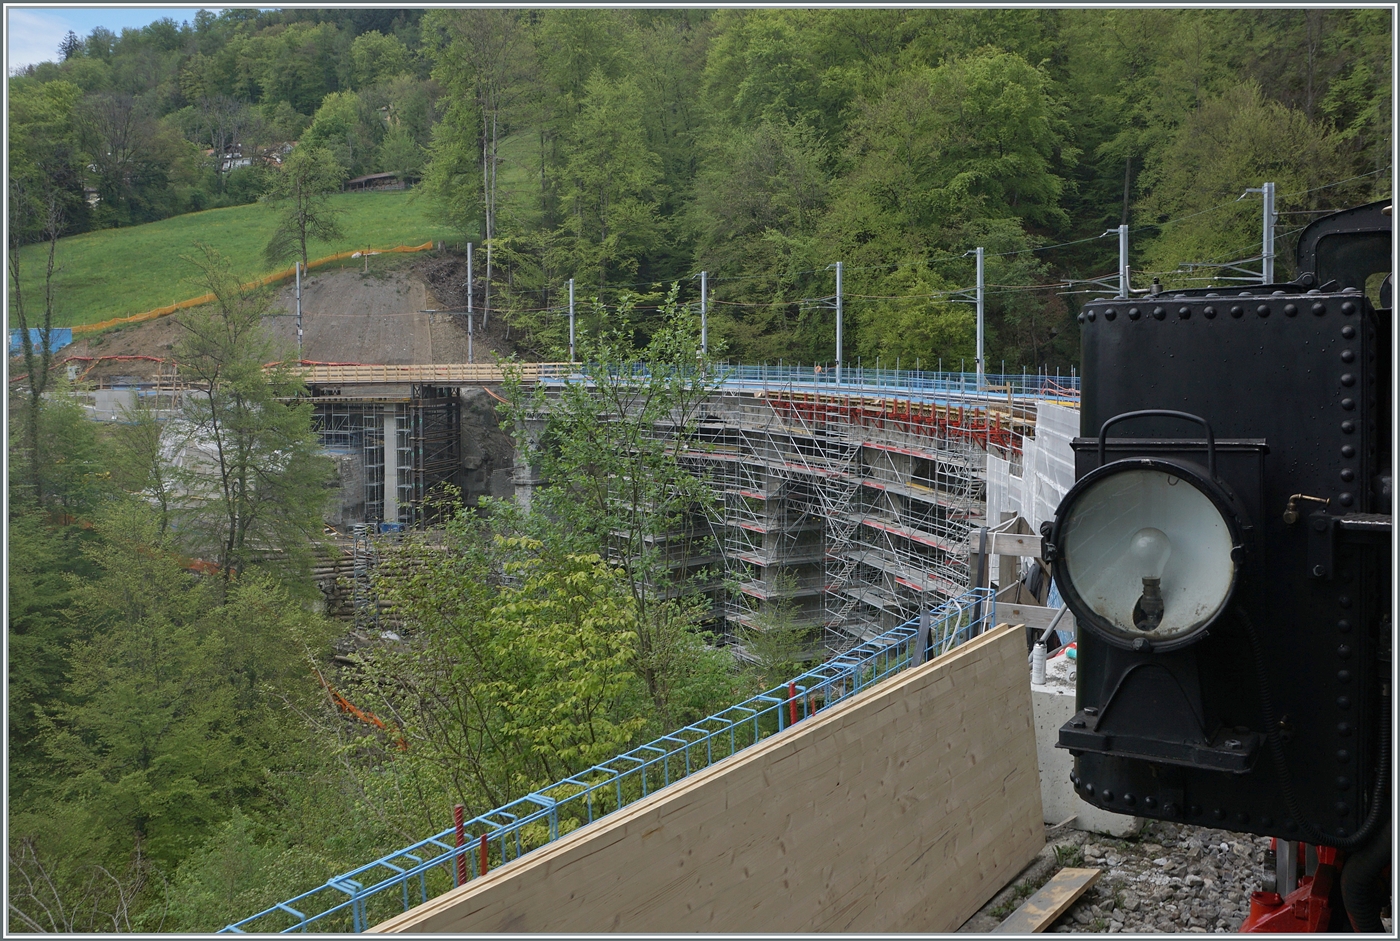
[[338, 373], [901, 383]]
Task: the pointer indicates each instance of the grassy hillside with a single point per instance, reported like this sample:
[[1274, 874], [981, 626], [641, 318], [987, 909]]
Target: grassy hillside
[[118, 272]]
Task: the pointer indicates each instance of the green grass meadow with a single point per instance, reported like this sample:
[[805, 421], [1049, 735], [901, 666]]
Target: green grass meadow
[[120, 272]]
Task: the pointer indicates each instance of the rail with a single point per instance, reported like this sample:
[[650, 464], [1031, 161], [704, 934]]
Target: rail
[[394, 883]]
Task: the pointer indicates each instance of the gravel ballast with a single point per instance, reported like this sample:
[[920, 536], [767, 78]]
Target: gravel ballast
[[1169, 878]]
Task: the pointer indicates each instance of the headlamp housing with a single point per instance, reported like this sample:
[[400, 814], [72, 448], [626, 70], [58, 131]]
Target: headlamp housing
[[1148, 552]]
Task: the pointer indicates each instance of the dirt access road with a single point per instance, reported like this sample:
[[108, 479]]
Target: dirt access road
[[378, 314]]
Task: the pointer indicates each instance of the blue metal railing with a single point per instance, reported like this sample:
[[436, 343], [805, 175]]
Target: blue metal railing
[[395, 883], [861, 380]]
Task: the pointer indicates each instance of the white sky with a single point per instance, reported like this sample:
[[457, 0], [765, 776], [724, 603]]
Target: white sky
[[33, 32]]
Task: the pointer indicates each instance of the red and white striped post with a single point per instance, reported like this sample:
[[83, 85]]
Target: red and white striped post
[[458, 821]]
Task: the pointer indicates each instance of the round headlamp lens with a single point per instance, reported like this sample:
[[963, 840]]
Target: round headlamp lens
[[1148, 553]]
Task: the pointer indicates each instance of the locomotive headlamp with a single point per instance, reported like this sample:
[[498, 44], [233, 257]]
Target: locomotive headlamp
[[1147, 551]]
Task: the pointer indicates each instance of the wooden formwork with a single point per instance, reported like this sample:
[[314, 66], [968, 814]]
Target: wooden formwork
[[906, 809], [352, 373]]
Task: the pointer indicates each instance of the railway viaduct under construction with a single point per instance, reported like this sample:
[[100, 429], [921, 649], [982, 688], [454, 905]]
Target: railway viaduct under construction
[[896, 787], [854, 502]]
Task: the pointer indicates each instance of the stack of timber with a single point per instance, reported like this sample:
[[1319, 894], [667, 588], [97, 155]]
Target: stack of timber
[[332, 572], [904, 809]]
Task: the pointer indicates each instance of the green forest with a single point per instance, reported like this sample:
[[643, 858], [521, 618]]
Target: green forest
[[632, 149], [179, 757]]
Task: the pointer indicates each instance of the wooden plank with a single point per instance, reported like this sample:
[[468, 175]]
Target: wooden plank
[[903, 809], [1053, 900], [1009, 566], [1033, 616], [1019, 544], [442, 372]]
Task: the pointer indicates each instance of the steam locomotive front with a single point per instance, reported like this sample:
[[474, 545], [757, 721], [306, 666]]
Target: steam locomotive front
[[1227, 550]]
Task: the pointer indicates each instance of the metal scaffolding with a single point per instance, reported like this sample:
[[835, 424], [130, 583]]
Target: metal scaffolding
[[430, 425], [846, 509], [417, 435], [856, 510]]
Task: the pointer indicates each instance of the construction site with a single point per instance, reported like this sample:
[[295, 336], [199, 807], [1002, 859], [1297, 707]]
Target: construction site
[[853, 503], [893, 515], [863, 506], [855, 509], [855, 506]]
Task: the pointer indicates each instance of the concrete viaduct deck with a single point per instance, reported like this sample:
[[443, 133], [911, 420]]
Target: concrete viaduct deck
[[1011, 392]]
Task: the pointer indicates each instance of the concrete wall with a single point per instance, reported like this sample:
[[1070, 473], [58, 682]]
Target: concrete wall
[[348, 507], [1053, 703], [905, 809], [117, 405]]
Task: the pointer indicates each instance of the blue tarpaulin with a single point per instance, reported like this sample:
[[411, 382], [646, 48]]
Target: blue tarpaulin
[[59, 337]]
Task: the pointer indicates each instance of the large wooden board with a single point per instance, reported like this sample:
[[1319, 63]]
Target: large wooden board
[[904, 809]]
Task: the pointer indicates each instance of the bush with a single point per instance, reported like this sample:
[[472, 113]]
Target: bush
[[245, 184]]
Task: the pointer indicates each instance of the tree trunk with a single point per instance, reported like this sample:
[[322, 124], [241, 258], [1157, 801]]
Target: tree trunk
[[37, 365], [31, 430], [301, 227], [1314, 40], [488, 182]]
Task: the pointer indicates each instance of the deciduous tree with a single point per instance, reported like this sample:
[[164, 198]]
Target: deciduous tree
[[302, 194], [482, 56], [1230, 143], [611, 183], [29, 212], [346, 127], [377, 58], [133, 157], [174, 716], [616, 482], [226, 123], [259, 488]]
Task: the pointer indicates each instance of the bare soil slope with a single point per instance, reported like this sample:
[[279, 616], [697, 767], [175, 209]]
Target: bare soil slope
[[348, 316], [353, 317]]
